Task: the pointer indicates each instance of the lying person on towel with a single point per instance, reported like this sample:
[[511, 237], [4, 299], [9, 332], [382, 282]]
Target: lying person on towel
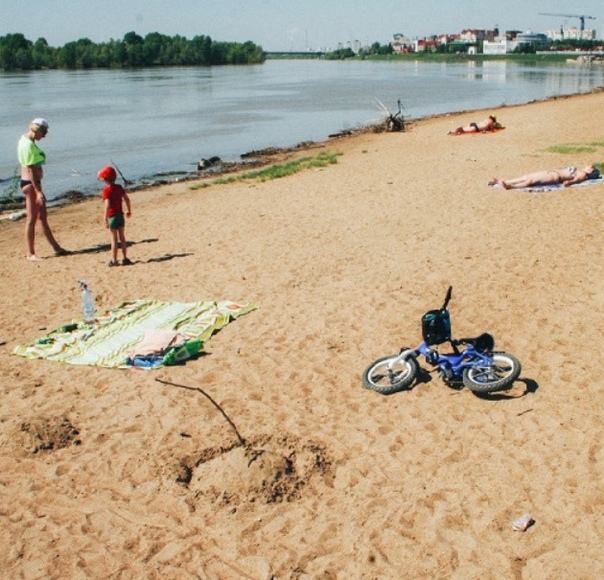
[[489, 124], [566, 176]]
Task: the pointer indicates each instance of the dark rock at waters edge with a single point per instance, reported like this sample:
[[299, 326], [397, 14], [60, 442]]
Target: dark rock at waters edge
[[207, 163], [71, 196], [11, 204]]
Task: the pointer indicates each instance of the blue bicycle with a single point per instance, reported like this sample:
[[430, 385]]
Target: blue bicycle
[[473, 363]]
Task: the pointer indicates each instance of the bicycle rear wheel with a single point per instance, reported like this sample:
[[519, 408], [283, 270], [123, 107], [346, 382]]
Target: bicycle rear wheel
[[384, 378]]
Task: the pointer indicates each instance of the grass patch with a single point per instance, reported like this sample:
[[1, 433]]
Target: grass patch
[[278, 170], [570, 149], [573, 148]]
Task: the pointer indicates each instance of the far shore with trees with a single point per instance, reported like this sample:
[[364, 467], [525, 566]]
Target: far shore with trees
[[17, 53], [155, 49]]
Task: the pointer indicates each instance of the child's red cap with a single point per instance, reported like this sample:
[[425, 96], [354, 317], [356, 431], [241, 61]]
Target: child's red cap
[[107, 173]]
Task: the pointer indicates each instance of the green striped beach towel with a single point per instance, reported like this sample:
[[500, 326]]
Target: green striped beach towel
[[106, 343]]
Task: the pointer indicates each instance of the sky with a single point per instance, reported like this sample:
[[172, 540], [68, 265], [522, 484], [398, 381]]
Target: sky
[[284, 25]]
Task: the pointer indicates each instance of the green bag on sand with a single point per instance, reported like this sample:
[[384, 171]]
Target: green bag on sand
[[182, 352]]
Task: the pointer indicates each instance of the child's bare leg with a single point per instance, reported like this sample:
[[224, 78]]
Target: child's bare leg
[[114, 245], [124, 246], [123, 243]]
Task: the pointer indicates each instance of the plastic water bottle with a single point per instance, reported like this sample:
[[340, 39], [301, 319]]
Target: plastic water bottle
[[87, 303]]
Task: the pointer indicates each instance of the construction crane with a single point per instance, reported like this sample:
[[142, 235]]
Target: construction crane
[[581, 17]]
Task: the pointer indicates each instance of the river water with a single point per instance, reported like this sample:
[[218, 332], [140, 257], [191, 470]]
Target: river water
[[162, 120]]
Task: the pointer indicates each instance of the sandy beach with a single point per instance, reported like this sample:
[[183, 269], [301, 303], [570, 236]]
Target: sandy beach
[[147, 479]]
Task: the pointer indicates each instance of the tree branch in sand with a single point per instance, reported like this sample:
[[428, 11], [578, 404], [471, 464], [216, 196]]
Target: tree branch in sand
[[199, 390]]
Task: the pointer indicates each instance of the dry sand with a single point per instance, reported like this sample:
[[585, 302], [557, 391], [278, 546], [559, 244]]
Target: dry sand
[[147, 480]]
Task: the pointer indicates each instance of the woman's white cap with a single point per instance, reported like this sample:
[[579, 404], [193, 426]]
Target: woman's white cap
[[40, 122]]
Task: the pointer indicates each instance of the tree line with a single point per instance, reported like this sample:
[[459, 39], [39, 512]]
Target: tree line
[[155, 49], [375, 49]]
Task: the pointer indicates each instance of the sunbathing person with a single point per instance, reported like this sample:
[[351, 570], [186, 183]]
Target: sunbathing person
[[487, 125], [565, 176]]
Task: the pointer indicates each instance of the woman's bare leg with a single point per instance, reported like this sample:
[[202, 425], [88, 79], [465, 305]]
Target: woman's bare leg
[[30, 222], [43, 217], [34, 213]]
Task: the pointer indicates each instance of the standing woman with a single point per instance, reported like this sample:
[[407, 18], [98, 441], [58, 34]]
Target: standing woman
[[31, 158]]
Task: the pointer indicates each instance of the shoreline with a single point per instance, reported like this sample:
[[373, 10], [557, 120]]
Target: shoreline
[[258, 158], [135, 473]]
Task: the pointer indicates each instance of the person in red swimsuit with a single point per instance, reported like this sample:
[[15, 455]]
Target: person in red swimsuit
[[489, 124], [114, 195]]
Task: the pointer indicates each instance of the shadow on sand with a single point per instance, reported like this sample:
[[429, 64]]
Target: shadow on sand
[[106, 247]]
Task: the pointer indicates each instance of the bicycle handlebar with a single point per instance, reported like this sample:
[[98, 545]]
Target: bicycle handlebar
[[447, 298]]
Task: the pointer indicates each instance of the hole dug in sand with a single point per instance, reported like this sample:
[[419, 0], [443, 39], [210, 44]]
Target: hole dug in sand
[[39, 434], [266, 469]]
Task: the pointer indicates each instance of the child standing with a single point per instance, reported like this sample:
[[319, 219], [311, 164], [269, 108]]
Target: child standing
[[113, 195]]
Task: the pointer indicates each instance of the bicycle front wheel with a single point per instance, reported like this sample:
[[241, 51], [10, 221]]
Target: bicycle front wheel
[[497, 376], [384, 377]]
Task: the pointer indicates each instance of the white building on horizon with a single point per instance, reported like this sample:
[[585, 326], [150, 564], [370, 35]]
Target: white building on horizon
[[400, 43], [501, 46], [572, 33]]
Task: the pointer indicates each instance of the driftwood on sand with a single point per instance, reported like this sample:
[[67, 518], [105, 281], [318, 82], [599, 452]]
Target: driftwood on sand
[[393, 121]]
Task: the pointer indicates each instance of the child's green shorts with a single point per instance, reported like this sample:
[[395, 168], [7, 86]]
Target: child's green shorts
[[117, 221]]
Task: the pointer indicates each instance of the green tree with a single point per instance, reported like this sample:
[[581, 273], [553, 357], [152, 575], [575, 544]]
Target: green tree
[[378, 49], [131, 38], [23, 59], [42, 54], [119, 55], [86, 53], [253, 53], [201, 50], [68, 56], [340, 54], [13, 49], [154, 47]]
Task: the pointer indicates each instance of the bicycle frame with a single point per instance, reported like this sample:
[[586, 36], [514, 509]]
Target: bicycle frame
[[450, 365]]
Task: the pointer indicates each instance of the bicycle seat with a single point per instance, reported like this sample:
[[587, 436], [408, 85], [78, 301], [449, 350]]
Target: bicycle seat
[[483, 343]]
